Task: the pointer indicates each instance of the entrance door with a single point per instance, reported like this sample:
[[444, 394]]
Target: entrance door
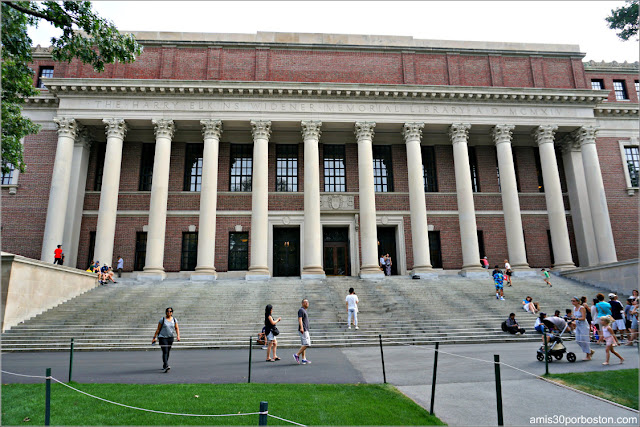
[[387, 245], [286, 251], [434, 249], [336, 251]]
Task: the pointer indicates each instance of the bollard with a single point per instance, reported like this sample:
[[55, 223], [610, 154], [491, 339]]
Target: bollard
[[433, 380], [250, 351], [496, 361], [384, 373], [546, 351], [71, 360], [47, 397], [262, 418]]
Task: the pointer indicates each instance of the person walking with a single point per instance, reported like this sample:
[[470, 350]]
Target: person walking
[[582, 327], [508, 272], [58, 255], [498, 279], [119, 266], [271, 331], [303, 331], [609, 338], [352, 308], [166, 332], [617, 312], [547, 277], [633, 316], [387, 264]]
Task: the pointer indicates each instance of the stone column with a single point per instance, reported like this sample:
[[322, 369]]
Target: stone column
[[154, 263], [579, 200], [367, 198], [586, 136], [116, 130], [259, 238], [205, 268], [412, 133], [459, 134], [501, 135], [59, 190], [312, 266], [543, 135], [73, 220]]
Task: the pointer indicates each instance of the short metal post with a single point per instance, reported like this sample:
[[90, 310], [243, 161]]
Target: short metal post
[[47, 401], [264, 410], [546, 351], [433, 380], [71, 360], [496, 360], [384, 373], [250, 351]]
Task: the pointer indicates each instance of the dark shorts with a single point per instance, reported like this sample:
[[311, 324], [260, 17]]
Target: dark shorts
[[509, 272]]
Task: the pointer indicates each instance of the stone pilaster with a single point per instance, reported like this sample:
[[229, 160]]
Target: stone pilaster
[[312, 264], [544, 137], [412, 133], [259, 237], [59, 190], [205, 268], [154, 264], [586, 137], [116, 129], [368, 231]]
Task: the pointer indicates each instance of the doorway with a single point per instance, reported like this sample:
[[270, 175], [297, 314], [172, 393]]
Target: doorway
[[434, 249], [286, 252], [336, 251], [387, 245]]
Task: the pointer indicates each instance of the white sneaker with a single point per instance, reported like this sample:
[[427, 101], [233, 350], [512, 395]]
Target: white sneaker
[[349, 327], [357, 327], [501, 298]]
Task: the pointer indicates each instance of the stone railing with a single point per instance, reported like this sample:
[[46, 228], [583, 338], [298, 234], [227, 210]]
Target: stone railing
[[621, 276]]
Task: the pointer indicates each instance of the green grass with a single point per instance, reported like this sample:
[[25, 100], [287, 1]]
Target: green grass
[[310, 404], [620, 386]]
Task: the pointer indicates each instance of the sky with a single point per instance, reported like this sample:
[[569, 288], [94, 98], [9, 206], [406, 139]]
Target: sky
[[562, 22]]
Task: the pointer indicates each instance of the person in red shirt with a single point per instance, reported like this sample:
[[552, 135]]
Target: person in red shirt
[[58, 255]]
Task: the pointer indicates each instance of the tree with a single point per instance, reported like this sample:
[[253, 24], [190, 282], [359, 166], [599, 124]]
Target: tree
[[85, 36], [625, 19]]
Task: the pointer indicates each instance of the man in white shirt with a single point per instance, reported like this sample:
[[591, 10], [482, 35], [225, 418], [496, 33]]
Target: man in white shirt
[[383, 261], [352, 308]]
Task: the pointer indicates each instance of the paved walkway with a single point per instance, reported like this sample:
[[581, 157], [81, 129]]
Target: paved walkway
[[465, 392]]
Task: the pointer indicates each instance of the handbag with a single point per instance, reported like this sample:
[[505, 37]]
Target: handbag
[[275, 331]]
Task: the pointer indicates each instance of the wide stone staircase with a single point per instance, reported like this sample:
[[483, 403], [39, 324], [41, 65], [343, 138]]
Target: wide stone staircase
[[226, 313]]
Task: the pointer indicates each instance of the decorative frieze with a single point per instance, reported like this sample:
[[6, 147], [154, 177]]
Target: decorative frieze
[[261, 129], [115, 128], [502, 133], [164, 128], [66, 126], [459, 132], [544, 134], [412, 131], [336, 202], [364, 131], [311, 129], [211, 128]]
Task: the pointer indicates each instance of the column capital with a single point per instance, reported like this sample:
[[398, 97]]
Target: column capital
[[66, 126], [164, 127], [459, 132], [502, 133], [84, 137], [115, 128], [413, 130], [364, 130], [569, 144], [311, 129], [585, 135], [544, 134], [211, 128], [261, 129]]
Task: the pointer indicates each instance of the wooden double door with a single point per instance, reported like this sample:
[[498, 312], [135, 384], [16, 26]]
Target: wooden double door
[[286, 252], [336, 251]]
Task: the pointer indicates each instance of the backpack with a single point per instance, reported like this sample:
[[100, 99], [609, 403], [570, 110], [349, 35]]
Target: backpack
[[504, 326]]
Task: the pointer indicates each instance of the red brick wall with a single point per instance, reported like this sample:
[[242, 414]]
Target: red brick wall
[[608, 79]]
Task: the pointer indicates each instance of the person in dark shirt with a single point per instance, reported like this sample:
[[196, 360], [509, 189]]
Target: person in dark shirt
[[617, 314], [512, 325], [303, 331]]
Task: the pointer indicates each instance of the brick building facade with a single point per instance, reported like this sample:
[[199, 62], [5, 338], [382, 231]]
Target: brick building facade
[[339, 95]]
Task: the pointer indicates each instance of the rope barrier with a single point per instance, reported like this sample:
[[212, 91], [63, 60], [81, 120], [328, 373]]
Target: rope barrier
[[27, 376], [288, 421]]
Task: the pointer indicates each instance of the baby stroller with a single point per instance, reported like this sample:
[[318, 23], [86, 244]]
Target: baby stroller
[[556, 348]]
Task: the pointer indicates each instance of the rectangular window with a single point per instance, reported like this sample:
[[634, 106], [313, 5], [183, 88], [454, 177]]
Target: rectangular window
[[620, 90], [238, 251], [334, 168], [44, 72], [189, 258], [551, 256], [7, 178], [101, 154], [632, 155], [429, 169], [637, 84], [597, 84], [286, 167], [241, 167], [193, 167], [92, 247], [382, 169], [536, 156], [141, 251], [146, 166], [473, 166], [481, 245]]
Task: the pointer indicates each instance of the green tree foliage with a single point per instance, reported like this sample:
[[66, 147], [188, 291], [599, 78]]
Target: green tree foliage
[[625, 20], [85, 36]]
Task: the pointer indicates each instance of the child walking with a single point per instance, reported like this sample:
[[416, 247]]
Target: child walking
[[498, 279], [546, 277], [609, 338]]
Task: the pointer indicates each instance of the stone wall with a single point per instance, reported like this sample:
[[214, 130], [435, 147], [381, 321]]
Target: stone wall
[[621, 276]]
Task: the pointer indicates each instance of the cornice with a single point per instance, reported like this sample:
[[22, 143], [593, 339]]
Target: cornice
[[41, 100], [141, 87], [612, 67], [616, 110]]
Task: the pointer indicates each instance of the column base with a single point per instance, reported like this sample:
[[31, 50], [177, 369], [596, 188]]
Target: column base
[[424, 273], [474, 272], [258, 273], [524, 272], [311, 273], [563, 267], [371, 272], [152, 275], [204, 274]]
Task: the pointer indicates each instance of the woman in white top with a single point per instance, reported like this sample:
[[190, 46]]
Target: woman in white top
[[582, 327], [508, 271], [352, 308]]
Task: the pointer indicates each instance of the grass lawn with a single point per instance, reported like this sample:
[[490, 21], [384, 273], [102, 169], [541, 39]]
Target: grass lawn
[[620, 386], [323, 404]]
